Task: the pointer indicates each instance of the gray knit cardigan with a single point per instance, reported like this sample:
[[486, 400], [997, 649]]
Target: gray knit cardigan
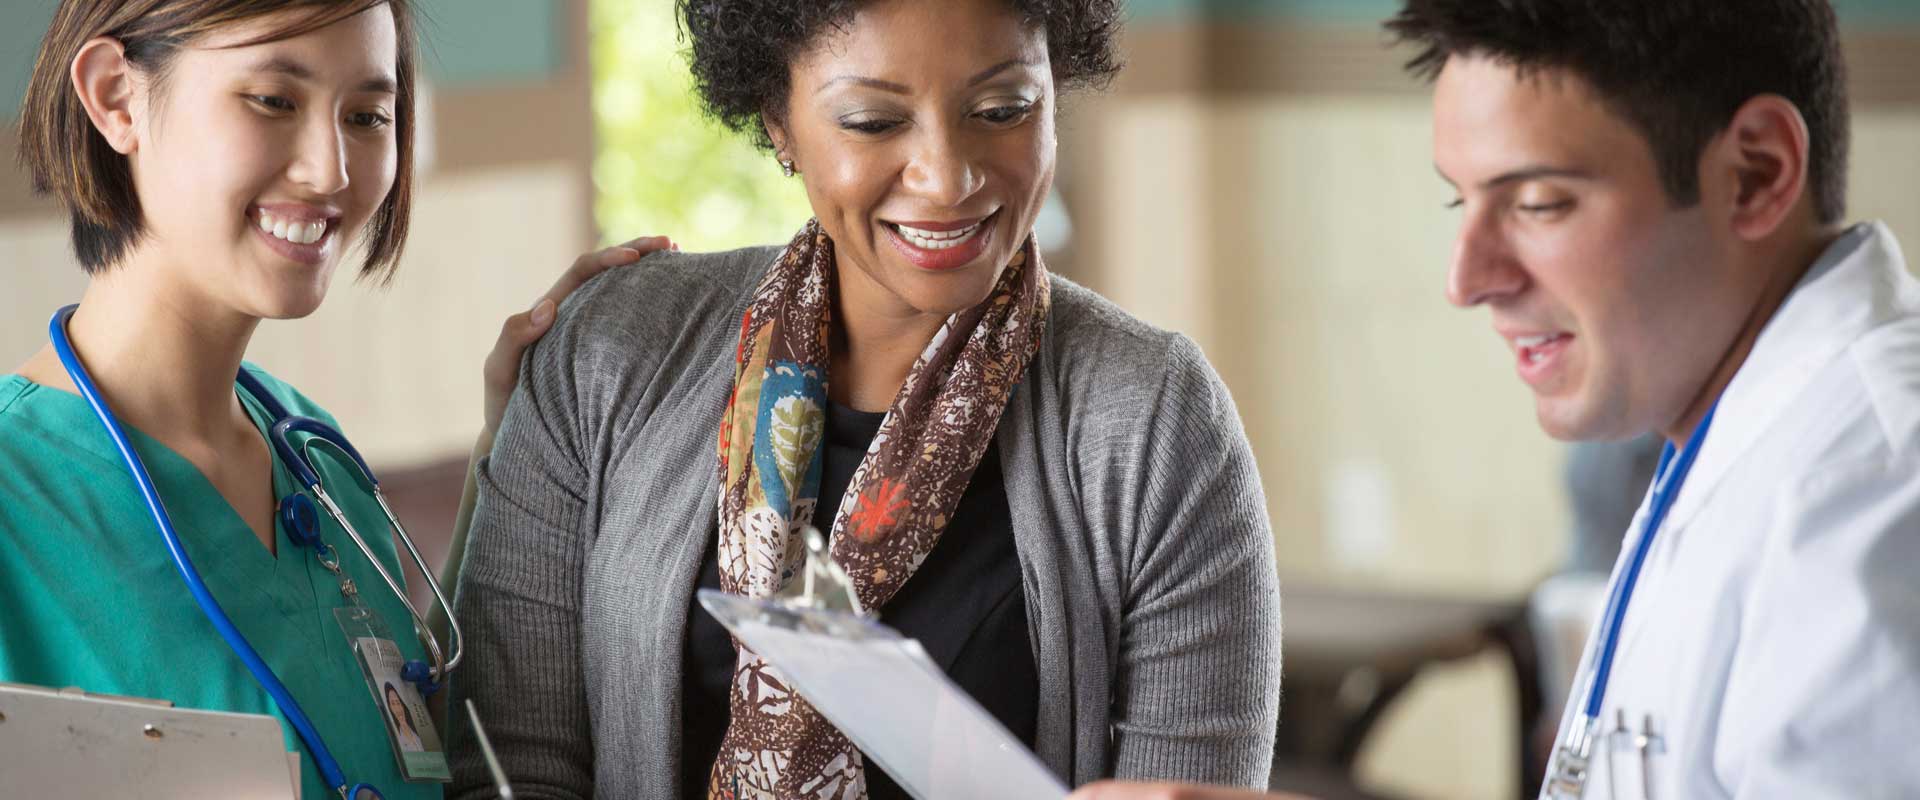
[[1144, 546]]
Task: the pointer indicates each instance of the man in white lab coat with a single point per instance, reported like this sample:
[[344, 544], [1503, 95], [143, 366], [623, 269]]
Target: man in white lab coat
[[1651, 197]]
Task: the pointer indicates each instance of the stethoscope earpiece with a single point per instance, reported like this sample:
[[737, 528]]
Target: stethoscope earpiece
[[420, 675]]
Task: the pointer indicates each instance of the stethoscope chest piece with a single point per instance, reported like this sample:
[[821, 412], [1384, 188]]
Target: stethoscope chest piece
[[301, 519]]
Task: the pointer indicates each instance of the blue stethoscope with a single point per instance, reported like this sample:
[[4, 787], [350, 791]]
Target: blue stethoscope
[[297, 514], [1568, 775]]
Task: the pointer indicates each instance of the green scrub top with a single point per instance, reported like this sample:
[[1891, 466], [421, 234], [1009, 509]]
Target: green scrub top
[[90, 598]]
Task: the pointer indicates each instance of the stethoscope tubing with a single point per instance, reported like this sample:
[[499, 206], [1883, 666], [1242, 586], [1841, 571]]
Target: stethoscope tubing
[[296, 460], [289, 707]]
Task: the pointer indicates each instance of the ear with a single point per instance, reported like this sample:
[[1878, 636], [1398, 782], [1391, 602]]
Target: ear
[[104, 81], [777, 133], [1764, 151]]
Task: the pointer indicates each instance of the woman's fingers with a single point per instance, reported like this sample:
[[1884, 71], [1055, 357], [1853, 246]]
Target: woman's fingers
[[502, 367], [598, 261]]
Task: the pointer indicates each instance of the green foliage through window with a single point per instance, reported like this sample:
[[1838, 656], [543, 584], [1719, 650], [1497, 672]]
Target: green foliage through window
[[662, 166]]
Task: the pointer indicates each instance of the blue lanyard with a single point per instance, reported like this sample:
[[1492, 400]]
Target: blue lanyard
[[1668, 478]]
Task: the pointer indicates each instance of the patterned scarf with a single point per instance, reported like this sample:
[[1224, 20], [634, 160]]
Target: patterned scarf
[[901, 498]]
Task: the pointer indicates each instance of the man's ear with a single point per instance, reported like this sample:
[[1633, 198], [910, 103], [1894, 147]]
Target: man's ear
[[104, 81], [1764, 153]]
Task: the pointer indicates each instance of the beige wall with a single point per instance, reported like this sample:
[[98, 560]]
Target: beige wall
[[1393, 442], [1886, 171]]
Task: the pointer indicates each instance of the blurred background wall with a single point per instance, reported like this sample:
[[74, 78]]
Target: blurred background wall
[[1259, 178]]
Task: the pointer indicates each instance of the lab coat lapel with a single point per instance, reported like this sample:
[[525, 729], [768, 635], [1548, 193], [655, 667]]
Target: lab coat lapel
[[1848, 291], [1856, 284]]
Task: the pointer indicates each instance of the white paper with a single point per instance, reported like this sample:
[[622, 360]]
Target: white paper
[[891, 701]]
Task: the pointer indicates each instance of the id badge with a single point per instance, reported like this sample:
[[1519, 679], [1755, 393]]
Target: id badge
[[416, 745]]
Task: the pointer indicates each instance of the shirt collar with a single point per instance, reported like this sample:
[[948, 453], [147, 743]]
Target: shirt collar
[[1859, 283]]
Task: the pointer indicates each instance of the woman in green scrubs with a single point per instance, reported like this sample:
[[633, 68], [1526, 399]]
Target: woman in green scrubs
[[90, 599], [218, 158]]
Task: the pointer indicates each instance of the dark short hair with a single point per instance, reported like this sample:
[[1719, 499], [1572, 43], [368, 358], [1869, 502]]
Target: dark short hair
[[1675, 69], [70, 160], [742, 49]]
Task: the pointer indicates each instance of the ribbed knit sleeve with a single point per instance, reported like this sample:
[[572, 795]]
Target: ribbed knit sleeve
[[1197, 678], [520, 587]]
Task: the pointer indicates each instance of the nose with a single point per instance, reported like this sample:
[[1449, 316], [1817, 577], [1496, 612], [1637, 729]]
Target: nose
[[1484, 269], [320, 158], [942, 171]]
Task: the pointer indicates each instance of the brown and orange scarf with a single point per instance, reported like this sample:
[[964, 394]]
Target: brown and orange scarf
[[901, 498]]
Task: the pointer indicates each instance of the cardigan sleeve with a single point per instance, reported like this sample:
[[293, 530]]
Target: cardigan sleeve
[[519, 594], [1197, 683]]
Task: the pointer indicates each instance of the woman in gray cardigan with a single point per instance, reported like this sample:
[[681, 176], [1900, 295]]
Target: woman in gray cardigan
[[1056, 499]]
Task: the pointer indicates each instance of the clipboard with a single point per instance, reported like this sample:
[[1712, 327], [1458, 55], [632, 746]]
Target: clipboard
[[881, 690], [68, 743]]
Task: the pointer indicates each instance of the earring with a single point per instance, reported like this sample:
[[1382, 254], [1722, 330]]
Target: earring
[[786, 167]]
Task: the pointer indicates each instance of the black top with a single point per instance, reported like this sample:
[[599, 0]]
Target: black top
[[964, 604]]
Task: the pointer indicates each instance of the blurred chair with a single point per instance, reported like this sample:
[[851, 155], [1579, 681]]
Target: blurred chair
[[1562, 610], [1350, 654]]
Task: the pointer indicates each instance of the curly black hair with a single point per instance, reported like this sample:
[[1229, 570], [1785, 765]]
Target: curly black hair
[[741, 49]]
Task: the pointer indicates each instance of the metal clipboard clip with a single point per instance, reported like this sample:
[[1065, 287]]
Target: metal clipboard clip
[[821, 599], [880, 688], [822, 583]]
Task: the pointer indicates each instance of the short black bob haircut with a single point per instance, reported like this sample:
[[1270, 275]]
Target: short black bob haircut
[[1675, 69], [741, 49]]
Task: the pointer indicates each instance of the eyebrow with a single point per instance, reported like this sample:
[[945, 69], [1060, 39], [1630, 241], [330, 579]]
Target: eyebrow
[[900, 88], [279, 65], [1533, 173]]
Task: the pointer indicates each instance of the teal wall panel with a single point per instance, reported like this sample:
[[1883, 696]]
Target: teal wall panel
[[22, 23], [1852, 12], [493, 41], [465, 42]]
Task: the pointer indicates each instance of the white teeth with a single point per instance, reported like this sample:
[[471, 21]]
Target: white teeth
[[1535, 341], [294, 231], [937, 240]]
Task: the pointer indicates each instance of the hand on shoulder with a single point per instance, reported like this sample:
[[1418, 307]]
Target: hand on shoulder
[[502, 368]]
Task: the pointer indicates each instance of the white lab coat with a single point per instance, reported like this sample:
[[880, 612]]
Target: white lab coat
[[1774, 635]]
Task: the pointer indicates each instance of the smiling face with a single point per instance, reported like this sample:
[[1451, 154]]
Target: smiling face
[[925, 164], [257, 166], [1616, 304]]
